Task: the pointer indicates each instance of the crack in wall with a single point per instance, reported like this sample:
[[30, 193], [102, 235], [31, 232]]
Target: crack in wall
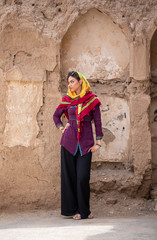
[[40, 116], [38, 179]]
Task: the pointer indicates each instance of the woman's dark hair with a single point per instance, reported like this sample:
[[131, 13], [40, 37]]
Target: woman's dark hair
[[73, 74]]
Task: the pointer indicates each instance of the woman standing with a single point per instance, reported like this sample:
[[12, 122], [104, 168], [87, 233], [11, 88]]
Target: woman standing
[[80, 106]]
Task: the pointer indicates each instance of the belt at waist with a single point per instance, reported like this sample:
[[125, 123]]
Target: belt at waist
[[85, 118]]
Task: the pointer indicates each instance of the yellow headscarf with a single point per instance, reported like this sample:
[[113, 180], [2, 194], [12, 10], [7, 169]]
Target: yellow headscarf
[[73, 95], [85, 88]]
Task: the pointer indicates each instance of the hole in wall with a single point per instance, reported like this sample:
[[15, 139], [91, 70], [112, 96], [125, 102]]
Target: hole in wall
[[18, 2]]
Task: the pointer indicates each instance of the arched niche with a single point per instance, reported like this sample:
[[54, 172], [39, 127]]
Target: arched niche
[[95, 46], [153, 107]]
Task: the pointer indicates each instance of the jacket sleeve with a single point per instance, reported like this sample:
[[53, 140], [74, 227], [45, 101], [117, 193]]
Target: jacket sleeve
[[97, 122], [57, 117]]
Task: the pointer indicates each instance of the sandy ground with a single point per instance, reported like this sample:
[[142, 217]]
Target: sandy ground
[[119, 205], [115, 218], [49, 225]]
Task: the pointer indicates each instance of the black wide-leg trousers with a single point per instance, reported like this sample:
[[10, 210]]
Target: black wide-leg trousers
[[75, 176]]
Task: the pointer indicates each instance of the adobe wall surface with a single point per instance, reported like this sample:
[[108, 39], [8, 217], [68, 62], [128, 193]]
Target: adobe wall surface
[[110, 43]]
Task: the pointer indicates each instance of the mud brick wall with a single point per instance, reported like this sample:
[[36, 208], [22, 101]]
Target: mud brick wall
[[113, 43]]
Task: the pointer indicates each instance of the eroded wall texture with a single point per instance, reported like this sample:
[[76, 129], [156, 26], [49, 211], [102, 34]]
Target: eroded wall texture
[[113, 43]]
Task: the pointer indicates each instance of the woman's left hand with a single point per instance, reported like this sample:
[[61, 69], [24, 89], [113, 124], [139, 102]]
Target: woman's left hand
[[94, 148]]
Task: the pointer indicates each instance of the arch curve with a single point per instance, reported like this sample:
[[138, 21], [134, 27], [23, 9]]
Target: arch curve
[[96, 46]]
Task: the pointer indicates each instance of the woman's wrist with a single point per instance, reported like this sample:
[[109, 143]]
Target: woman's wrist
[[98, 144], [61, 129]]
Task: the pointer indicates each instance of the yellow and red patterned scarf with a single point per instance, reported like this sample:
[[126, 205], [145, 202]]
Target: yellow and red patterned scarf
[[73, 95], [85, 101]]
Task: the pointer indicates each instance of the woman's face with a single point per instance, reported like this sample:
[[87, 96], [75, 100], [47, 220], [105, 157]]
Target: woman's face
[[74, 84]]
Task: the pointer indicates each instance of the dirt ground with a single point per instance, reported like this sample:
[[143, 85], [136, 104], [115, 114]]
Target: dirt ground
[[105, 205], [102, 205]]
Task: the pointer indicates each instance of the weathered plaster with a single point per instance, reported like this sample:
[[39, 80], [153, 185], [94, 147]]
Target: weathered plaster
[[23, 103], [139, 69], [116, 119], [95, 46]]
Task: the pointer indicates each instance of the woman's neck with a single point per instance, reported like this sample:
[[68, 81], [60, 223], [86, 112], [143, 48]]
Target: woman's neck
[[78, 91]]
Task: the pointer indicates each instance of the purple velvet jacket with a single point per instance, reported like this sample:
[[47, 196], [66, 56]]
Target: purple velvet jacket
[[69, 137]]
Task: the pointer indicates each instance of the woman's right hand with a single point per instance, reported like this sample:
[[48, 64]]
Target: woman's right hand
[[62, 129]]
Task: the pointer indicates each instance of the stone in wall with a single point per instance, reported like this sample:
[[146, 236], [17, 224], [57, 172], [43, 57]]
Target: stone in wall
[[26, 49], [23, 103], [139, 68], [140, 134]]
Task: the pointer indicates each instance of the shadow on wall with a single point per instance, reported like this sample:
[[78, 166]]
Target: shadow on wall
[[153, 107]]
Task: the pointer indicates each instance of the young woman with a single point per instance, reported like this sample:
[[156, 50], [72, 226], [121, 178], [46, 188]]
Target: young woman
[[80, 106]]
